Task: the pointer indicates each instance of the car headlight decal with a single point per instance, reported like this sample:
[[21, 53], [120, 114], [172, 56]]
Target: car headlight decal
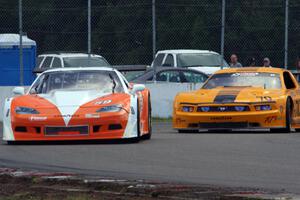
[[263, 107], [240, 108], [112, 108], [187, 109], [26, 110]]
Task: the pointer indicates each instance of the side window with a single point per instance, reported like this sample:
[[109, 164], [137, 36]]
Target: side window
[[47, 62], [39, 61], [36, 88], [194, 77], [288, 81], [169, 76], [56, 63], [158, 59], [169, 62]]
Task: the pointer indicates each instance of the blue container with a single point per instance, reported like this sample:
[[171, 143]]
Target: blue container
[[10, 60]]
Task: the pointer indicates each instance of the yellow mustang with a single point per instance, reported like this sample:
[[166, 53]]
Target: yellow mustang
[[241, 98]]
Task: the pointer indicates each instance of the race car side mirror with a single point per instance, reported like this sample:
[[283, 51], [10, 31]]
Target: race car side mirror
[[19, 91], [137, 88]]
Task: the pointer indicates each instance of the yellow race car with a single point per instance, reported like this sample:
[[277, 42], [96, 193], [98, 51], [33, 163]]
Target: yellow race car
[[241, 98]]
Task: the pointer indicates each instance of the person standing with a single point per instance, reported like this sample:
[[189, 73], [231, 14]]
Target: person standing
[[234, 61], [298, 70], [298, 65], [266, 62]]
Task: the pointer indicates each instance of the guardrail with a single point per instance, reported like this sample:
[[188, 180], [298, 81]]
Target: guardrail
[[162, 96]]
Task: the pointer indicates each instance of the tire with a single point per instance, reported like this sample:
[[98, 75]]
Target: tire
[[288, 114], [148, 135], [10, 142], [187, 131]]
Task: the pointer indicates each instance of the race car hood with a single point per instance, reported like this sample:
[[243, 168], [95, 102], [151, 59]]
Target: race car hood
[[222, 95], [69, 102]]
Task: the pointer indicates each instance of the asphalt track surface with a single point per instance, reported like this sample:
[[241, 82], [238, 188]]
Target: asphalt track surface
[[247, 159]]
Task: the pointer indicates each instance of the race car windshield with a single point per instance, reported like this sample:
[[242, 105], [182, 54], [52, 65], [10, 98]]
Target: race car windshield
[[264, 80], [200, 60], [85, 62], [101, 81]]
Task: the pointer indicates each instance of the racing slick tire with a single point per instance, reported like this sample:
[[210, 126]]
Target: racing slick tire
[[148, 135], [288, 126], [10, 142]]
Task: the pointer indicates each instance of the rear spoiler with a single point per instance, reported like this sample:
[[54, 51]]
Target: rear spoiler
[[121, 68]]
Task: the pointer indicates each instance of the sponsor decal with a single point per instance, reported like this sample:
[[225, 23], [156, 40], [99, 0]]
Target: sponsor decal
[[264, 98], [222, 108], [270, 119], [35, 118], [179, 120], [92, 116], [66, 116], [221, 118], [103, 102]]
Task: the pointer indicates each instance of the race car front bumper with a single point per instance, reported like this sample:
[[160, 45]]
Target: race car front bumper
[[81, 127], [229, 120]]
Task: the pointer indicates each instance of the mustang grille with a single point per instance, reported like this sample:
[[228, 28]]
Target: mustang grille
[[62, 131], [223, 108]]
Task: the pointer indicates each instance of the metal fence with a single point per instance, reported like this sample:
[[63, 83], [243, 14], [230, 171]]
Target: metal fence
[[127, 31]]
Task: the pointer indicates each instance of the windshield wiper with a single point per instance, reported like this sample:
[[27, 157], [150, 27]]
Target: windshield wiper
[[114, 83]]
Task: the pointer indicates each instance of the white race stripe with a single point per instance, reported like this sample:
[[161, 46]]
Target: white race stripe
[[68, 102]]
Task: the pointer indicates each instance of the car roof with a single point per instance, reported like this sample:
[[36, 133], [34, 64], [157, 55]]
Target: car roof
[[69, 54], [177, 51], [251, 69], [81, 69], [158, 69]]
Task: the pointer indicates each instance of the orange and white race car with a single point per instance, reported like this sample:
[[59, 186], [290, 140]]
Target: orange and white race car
[[78, 104], [241, 98]]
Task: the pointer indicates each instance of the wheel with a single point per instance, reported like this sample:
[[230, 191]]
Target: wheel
[[148, 135], [288, 116], [187, 131]]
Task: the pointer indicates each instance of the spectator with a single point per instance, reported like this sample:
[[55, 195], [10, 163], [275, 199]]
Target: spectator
[[252, 62], [298, 65], [234, 61], [267, 62], [297, 75]]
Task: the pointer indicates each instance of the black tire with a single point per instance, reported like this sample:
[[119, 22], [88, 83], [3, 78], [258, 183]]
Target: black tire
[[10, 142], [288, 115], [187, 131], [148, 135]]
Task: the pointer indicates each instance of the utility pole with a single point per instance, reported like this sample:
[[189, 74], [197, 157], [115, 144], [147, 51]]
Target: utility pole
[[21, 44], [89, 32], [286, 34], [154, 36], [153, 29], [223, 33]]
